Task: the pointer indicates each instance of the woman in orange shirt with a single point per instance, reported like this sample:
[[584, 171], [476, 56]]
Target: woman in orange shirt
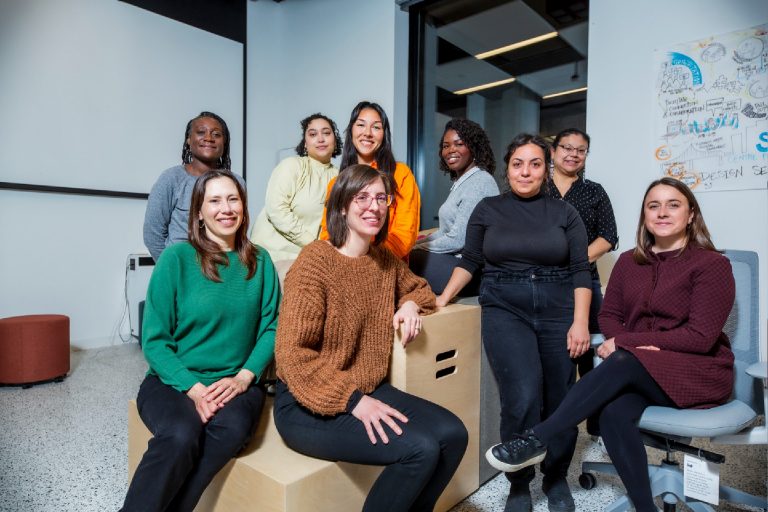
[[368, 141]]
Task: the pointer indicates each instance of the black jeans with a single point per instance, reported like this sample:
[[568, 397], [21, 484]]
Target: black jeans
[[617, 391], [525, 321], [419, 463], [437, 268], [185, 454]]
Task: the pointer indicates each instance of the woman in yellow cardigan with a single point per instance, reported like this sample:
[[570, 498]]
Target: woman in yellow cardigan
[[368, 141], [296, 191]]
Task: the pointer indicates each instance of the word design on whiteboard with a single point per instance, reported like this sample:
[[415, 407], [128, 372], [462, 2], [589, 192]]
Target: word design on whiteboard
[[711, 114]]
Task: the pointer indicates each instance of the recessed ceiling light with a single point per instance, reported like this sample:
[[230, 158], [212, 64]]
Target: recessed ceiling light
[[556, 94], [515, 46], [485, 86]]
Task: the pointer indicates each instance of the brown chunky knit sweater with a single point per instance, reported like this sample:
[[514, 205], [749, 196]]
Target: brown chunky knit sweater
[[335, 333]]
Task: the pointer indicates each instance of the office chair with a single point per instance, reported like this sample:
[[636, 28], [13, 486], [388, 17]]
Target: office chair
[[671, 429]]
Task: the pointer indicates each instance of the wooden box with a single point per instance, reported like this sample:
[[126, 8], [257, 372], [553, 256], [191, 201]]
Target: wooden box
[[441, 365]]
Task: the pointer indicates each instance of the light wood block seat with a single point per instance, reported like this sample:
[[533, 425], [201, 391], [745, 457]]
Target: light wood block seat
[[441, 365]]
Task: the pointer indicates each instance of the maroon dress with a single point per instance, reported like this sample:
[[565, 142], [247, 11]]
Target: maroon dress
[[678, 302]]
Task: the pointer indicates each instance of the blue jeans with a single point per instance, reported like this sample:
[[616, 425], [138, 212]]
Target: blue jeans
[[185, 454], [419, 463], [525, 322]]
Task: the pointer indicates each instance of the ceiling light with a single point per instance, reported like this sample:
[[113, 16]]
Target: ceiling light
[[556, 94], [485, 86], [515, 46]]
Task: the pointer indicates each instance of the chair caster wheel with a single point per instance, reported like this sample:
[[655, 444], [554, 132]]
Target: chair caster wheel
[[587, 481]]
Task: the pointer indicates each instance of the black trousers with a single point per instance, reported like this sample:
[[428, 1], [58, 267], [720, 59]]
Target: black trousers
[[185, 454], [437, 268], [525, 322], [617, 391], [419, 463]]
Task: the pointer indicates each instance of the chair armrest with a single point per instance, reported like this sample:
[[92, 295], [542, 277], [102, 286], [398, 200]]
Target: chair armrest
[[758, 370], [595, 340]]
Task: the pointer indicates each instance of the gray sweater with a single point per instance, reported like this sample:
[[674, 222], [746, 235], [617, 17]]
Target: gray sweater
[[453, 215], [165, 221]]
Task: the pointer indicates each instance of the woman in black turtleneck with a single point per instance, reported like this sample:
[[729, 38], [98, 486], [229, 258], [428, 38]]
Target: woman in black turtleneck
[[535, 294]]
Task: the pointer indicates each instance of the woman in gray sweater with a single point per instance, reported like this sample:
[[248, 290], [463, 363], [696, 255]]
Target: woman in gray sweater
[[206, 147], [466, 156]]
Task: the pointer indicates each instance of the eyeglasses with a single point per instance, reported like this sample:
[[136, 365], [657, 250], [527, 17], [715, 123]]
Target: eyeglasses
[[364, 200], [570, 149]]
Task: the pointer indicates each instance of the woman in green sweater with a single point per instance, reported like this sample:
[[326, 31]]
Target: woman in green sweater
[[209, 332], [344, 298]]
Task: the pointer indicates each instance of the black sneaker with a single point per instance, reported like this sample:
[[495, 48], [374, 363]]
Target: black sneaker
[[559, 497], [519, 452]]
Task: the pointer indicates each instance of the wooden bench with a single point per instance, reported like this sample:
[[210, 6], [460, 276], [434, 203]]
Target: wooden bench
[[441, 365]]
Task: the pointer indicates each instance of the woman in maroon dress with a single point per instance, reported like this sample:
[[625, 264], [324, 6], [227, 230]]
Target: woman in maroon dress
[[663, 315]]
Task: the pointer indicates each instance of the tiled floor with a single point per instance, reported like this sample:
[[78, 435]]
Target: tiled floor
[[63, 447]]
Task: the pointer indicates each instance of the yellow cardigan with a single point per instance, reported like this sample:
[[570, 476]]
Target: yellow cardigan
[[403, 213], [293, 206]]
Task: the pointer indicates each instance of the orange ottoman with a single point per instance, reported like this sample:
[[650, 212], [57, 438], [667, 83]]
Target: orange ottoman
[[34, 348]]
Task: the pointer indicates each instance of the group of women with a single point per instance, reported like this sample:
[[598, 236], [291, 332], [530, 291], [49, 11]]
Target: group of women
[[211, 318]]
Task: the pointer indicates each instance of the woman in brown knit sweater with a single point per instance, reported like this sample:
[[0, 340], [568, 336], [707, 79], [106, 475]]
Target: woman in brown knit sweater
[[343, 300], [663, 316]]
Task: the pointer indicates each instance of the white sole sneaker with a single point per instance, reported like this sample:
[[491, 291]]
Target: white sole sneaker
[[511, 468]]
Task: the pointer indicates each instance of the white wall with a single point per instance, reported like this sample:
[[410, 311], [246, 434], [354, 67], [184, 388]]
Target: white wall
[[108, 87], [619, 115], [102, 91], [308, 56]]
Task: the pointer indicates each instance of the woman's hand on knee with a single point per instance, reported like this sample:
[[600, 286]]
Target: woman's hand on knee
[[373, 412], [204, 408], [607, 348], [578, 339], [224, 390]]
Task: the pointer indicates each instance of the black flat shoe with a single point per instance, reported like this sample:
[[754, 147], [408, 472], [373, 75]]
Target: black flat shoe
[[559, 497], [519, 499]]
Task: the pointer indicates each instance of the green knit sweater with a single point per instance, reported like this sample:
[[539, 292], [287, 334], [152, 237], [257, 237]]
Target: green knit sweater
[[197, 330]]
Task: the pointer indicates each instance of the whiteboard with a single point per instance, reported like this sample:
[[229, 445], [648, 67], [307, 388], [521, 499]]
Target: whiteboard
[[96, 94], [711, 112]]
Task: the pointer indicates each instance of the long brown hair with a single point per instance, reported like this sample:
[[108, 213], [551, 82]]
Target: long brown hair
[[352, 180], [209, 254], [696, 235]]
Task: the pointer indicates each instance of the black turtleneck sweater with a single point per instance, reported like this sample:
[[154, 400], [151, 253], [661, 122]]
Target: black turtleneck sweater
[[508, 233]]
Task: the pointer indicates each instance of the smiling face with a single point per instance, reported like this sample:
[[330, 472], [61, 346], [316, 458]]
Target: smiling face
[[455, 153], [206, 140], [319, 140], [367, 135], [222, 212], [570, 154], [667, 215], [526, 170], [366, 221]]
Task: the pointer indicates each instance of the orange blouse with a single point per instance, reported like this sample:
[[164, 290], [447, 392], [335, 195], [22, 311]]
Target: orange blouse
[[403, 213]]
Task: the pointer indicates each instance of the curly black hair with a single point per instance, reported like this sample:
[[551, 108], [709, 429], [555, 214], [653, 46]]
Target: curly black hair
[[301, 148], [476, 141]]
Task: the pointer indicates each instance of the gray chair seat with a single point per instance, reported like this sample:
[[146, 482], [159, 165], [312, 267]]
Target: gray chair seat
[[725, 419]]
